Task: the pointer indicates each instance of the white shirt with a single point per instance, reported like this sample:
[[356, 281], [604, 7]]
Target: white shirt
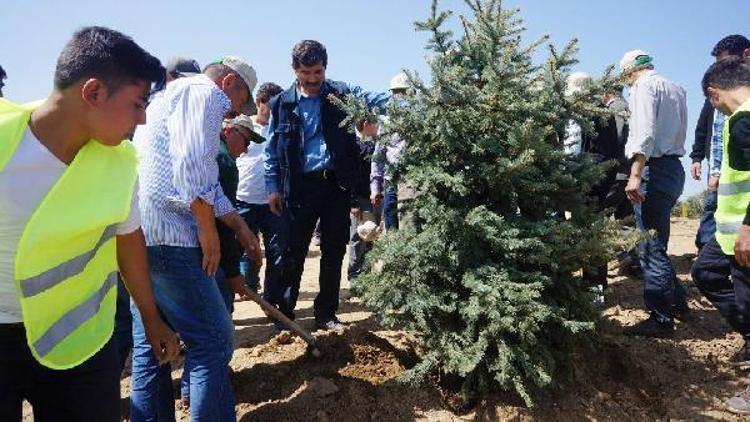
[[24, 182], [658, 117], [252, 187]]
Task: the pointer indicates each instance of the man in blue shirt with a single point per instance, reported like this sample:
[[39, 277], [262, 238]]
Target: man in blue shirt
[[312, 169]]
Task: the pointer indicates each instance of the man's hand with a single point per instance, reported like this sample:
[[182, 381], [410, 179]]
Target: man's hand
[[695, 170], [742, 247], [238, 284], [208, 237], [356, 213], [250, 244], [713, 183], [163, 341], [633, 190], [376, 199], [276, 202]]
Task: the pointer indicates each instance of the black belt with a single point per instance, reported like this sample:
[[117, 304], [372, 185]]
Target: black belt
[[666, 156], [319, 175]]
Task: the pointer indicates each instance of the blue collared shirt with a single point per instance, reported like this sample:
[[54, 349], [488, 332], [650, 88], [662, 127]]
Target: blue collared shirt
[[316, 156]]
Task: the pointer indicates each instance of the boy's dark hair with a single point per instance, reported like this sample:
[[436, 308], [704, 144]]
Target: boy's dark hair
[[729, 73], [309, 53], [733, 44], [107, 55], [267, 91], [3, 75]]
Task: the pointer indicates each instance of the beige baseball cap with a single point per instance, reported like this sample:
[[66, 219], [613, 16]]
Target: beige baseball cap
[[246, 72]]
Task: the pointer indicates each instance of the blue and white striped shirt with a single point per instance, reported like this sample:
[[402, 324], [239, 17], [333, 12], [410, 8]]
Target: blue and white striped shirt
[[177, 149], [717, 146]]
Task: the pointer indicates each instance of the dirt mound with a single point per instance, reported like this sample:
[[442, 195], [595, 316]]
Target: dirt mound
[[356, 378]]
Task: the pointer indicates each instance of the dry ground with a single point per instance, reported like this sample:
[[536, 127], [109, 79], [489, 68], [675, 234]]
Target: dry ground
[[685, 378]]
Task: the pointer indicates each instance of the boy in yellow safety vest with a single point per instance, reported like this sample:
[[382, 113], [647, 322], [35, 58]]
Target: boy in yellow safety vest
[[722, 270], [69, 220]]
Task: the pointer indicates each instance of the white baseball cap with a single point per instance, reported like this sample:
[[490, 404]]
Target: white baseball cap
[[400, 81], [248, 75], [634, 59]]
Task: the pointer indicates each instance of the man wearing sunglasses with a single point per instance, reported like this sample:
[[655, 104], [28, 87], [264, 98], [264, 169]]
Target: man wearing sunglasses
[[236, 135]]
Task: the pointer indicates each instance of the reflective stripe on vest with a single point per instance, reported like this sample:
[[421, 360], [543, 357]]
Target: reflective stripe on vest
[[734, 188], [74, 318], [34, 285]]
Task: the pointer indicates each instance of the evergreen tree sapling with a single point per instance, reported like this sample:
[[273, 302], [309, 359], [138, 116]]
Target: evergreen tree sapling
[[487, 275]]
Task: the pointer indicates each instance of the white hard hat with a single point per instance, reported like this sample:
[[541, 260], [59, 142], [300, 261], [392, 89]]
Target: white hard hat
[[633, 59], [576, 82], [400, 81]]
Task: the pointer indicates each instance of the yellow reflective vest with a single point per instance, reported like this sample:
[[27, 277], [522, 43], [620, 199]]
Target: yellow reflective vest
[[66, 263], [733, 191]]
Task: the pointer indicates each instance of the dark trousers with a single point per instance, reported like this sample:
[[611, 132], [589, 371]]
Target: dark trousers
[[726, 284], [322, 199], [663, 180], [707, 227], [88, 392]]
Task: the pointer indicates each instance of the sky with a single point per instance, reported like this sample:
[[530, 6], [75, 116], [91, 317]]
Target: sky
[[368, 41]]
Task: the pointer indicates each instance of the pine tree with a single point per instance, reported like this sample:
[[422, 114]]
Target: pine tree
[[487, 274]]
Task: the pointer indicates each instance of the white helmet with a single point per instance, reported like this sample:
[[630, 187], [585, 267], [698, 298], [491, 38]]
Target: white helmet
[[400, 81], [576, 82]]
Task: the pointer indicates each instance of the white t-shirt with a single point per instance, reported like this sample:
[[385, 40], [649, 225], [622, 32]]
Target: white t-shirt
[[24, 182], [252, 185]]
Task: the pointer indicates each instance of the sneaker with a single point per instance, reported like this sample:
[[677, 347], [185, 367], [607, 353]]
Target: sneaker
[[331, 324], [741, 359], [650, 327], [740, 403], [681, 312]]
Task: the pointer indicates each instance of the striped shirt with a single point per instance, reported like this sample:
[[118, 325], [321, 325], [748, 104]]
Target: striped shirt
[[717, 147], [177, 149]]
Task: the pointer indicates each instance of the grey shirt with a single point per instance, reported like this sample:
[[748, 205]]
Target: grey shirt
[[658, 117]]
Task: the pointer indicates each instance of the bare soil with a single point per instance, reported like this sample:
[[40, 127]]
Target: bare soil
[[617, 378]]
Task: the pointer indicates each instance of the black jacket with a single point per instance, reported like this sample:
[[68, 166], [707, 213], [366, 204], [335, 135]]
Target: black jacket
[[341, 144], [703, 132]]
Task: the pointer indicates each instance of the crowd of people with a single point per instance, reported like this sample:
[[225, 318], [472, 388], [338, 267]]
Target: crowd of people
[[109, 245]]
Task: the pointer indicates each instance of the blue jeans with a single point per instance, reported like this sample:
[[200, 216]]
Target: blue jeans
[[390, 208], [192, 304], [707, 227], [274, 229], [663, 180]]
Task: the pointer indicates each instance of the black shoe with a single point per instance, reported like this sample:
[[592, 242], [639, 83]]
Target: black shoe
[[682, 312], [330, 324], [650, 327], [741, 359]]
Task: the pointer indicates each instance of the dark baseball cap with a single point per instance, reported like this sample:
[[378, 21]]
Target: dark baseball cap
[[183, 66]]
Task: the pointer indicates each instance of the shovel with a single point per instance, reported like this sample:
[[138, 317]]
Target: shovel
[[271, 311]]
